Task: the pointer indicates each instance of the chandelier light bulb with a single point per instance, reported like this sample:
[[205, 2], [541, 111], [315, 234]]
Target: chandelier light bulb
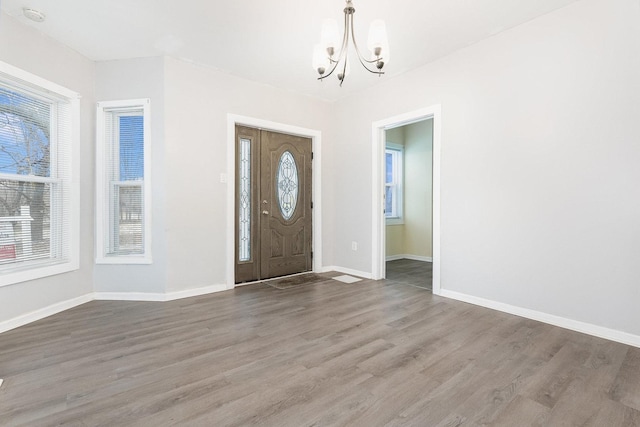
[[320, 60], [383, 53]]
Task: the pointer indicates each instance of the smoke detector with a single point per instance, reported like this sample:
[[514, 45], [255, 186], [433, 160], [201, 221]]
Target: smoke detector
[[34, 15]]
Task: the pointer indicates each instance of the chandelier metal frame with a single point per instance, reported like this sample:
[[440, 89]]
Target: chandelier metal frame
[[340, 62]]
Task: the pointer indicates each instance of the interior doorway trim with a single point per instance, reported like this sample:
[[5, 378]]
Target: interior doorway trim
[[316, 215], [378, 231]]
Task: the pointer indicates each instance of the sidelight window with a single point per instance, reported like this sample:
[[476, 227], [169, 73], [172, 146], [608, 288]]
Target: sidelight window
[[245, 198]]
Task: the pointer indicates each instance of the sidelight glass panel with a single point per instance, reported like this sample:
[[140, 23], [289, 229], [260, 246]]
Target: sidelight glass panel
[[244, 211], [287, 185]]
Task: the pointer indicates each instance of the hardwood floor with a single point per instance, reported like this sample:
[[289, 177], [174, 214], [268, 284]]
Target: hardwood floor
[[324, 354], [410, 272]]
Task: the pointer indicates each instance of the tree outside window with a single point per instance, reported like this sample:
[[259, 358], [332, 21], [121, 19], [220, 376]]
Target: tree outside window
[[25, 173]]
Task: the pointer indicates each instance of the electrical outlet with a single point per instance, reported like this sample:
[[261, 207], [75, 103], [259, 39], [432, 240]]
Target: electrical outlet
[[354, 246], [223, 178]]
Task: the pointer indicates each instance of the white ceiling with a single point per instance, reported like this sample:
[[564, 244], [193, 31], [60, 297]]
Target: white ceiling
[[272, 41]]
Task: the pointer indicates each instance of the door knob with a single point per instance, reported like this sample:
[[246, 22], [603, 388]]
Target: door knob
[[265, 212]]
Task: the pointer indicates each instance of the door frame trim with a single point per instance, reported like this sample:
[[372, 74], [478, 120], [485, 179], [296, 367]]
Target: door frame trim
[[378, 230], [316, 214]]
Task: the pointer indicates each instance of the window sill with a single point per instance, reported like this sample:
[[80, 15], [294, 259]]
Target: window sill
[[394, 221], [33, 273], [126, 259]]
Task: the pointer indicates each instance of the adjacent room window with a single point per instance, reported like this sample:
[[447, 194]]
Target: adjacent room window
[[38, 201], [123, 179], [394, 157]]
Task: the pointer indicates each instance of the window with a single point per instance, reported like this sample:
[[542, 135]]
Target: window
[[38, 206], [124, 192], [394, 156]]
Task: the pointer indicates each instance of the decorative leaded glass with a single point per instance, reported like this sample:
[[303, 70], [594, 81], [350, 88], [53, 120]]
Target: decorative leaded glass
[[244, 187], [287, 185]]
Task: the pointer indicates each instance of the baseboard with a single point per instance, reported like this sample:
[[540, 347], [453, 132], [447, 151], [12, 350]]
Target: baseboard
[[408, 256], [574, 325], [159, 297], [129, 296], [25, 319], [349, 271], [195, 292], [56, 308]]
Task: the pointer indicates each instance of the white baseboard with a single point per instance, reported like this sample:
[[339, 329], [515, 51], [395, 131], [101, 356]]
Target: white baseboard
[[349, 271], [408, 256], [43, 312], [160, 297], [105, 296], [574, 325], [129, 296], [195, 292]]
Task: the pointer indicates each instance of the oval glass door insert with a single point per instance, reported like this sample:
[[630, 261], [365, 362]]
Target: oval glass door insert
[[287, 185]]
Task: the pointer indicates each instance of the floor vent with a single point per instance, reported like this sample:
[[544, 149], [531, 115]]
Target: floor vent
[[346, 279]]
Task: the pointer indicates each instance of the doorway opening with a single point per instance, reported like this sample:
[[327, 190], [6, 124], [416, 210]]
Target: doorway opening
[[408, 203], [294, 199], [380, 128]]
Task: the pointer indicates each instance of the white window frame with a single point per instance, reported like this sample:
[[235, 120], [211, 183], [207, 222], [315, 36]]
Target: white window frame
[[20, 79], [397, 150], [103, 199]]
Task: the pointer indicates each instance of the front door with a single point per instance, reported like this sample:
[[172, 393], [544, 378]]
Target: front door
[[273, 204]]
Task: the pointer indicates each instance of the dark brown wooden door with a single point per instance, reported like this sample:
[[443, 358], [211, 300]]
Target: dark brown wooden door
[[279, 195], [285, 188]]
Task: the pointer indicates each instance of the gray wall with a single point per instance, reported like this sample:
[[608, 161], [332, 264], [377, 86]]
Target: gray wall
[[133, 79]]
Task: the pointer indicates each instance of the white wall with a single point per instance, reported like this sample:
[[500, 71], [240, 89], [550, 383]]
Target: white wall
[[29, 50], [540, 155], [197, 103], [133, 79]]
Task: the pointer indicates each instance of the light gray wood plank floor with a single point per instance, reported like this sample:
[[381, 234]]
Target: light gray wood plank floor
[[410, 272], [324, 354]]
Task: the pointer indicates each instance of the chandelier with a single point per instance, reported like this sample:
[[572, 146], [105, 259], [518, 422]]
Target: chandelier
[[330, 55]]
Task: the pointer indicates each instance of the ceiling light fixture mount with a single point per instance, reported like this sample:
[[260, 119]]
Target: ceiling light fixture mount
[[34, 15], [326, 60]]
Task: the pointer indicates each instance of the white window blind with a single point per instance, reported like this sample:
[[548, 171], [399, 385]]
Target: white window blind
[[36, 134], [123, 181]]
